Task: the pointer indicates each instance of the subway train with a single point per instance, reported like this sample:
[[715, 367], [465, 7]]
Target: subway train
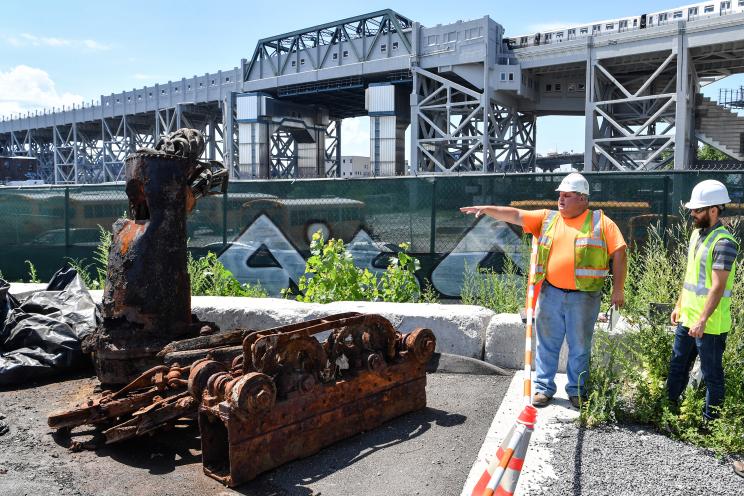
[[686, 13]]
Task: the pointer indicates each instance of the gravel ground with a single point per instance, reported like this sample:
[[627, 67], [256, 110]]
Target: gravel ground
[[632, 461], [425, 452]]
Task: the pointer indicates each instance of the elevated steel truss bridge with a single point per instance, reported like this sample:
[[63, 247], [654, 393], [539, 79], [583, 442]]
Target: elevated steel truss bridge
[[471, 101]]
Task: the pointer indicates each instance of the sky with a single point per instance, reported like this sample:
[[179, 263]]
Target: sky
[[58, 53]]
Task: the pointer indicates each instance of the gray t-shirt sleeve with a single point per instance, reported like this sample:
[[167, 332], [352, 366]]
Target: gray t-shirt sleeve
[[724, 254]]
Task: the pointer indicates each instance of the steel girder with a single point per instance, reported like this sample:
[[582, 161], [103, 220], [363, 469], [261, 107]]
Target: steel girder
[[316, 43], [641, 122], [282, 155], [459, 129]]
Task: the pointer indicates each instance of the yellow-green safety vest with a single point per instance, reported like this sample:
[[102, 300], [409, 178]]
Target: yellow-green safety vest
[[699, 281], [591, 260]]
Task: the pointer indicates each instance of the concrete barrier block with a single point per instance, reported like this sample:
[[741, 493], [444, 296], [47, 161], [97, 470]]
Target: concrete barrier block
[[460, 329], [505, 343]]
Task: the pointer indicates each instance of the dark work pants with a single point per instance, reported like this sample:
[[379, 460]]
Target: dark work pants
[[710, 348]]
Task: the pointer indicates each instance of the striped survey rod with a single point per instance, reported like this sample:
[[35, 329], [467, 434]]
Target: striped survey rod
[[528, 329], [504, 470]]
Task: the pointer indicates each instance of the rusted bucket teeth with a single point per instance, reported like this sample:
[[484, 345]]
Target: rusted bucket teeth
[[292, 395]]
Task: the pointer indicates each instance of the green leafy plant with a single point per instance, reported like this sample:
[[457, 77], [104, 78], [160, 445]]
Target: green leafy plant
[[33, 275], [332, 276], [429, 294], [210, 278]]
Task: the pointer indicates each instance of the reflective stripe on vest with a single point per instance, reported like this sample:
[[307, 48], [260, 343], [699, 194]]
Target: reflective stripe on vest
[[591, 261], [699, 281]]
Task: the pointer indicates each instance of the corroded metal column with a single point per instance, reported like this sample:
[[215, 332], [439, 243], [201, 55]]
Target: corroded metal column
[[147, 297]]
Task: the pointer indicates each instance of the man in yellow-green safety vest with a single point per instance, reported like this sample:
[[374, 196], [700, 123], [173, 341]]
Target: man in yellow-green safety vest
[[703, 310], [574, 252]]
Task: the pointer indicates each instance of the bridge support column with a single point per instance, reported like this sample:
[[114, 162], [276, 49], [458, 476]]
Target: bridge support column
[[684, 131], [280, 139], [458, 129], [631, 119], [389, 116], [333, 149], [230, 138], [117, 139]]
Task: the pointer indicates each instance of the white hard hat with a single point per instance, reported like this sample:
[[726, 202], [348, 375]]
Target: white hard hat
[[575, 183], [708, 193]]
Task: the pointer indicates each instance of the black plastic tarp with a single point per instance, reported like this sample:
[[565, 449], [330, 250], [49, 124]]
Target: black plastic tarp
[[41, 334]]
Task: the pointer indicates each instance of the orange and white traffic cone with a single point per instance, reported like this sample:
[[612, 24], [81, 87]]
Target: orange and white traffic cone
[[508, 483], [509, 458]]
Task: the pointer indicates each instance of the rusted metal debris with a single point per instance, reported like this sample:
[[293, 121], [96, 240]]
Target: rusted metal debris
[[289, 395], [147, 296], [152, 400], [280, 395]]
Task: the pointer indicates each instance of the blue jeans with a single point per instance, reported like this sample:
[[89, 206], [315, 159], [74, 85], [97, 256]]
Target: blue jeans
[[710, 348], [570, 315]]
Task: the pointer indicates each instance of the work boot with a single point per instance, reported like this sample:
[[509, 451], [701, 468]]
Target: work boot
[[540, 400], [739, 468], [575, 401]]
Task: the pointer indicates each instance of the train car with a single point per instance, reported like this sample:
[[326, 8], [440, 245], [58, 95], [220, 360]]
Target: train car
[[642, 21]]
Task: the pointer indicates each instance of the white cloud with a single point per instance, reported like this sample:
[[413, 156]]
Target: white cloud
[[28, 39], [24, 89], [95, 45]]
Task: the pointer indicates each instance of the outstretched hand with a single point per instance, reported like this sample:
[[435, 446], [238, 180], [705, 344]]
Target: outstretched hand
[[477, 211]]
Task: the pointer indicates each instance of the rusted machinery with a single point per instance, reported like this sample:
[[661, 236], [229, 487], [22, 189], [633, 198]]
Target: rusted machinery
[[293, 395], [147, 296], [154, 399]]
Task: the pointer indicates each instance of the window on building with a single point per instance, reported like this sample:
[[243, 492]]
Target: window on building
[[395, 45], [433, 39], [708, 9], [725, 5], [677, 15], [451, 37], [581, 86], [623, 25], [383, 47], [609, 26], [741, 3], [571, 33], [511, 76], [548, 88], [346, 53], [294, 63], [502, 76], [692, 11], [302, 61], [227, 80], [596, 28], [557, 87], [571, 87], [584, 31], [335, 56]]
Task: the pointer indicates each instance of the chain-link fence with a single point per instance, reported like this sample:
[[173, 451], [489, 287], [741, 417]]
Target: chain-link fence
[[264, 227]]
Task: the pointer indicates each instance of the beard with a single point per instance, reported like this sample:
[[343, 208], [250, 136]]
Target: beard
[[702, 222]]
